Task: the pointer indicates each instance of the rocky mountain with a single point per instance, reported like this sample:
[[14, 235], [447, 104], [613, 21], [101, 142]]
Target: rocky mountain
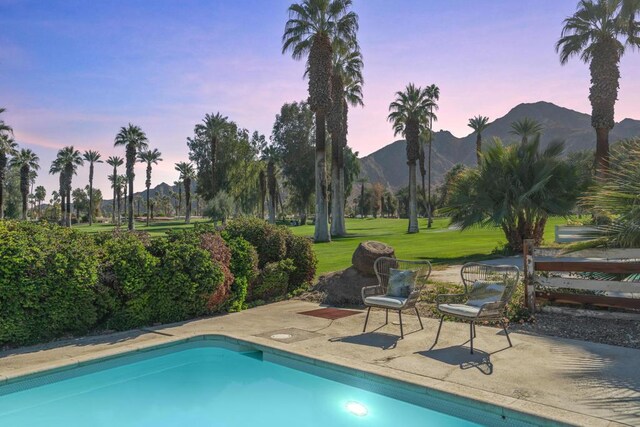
[[388, 165]]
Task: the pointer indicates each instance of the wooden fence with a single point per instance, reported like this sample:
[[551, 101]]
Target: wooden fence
[[572, 233], [614, 271]]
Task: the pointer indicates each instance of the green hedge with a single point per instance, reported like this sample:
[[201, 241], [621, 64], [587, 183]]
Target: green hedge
[[57, 282]]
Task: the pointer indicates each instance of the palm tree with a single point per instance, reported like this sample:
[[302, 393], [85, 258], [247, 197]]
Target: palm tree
[[178, 185], [262, 184], [346, 88], [599, 33], [150, 157], [69, 159], [314, 29], [5, 128], [187, 175], [478, 124], [40, 195], [57, 168], [135, 140], [433, 93], [92, 157], [212, 130], [408, 114], [526, 128], [26, 161], [7, 148], [114, 161]]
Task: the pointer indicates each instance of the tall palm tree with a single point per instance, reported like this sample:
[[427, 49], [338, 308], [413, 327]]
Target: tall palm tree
[[26, 161], [5, 128], [526, 128], [92, 157], [346, 76], [478, 124], [150, 157], [135, 140], [599, 33], [433, 93], [115, 162], [40, 195], [178, 185], [408, 114], [70, 159], [57, 168], [314, 29], [212, 130], [8, 148], [187, 175]]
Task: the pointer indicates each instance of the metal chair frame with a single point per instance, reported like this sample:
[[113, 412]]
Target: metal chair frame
[[490, 311], [381, 267]]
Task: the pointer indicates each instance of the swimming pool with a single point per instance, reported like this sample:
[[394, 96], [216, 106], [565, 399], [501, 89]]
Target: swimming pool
[[203, 384]]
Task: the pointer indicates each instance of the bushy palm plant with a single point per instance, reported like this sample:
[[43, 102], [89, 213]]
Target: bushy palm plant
[[134, 140], [619, 197], [314, 29], [517, 188], [526, 128], [599, 33]]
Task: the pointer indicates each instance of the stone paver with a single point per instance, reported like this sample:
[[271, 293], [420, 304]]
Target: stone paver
[[577, 382]]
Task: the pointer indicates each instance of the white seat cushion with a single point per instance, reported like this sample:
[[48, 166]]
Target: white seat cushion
[[459, 309], [385, 301]]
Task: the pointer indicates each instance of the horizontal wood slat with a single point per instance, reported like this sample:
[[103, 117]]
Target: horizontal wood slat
[[589, 285], [589, 266], [597, 300]]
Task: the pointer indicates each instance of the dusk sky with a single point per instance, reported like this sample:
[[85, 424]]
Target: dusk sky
[[74, 72]]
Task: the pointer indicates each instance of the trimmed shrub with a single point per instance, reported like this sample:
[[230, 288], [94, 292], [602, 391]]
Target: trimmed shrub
[[269, 240], [300, 251], [221, 254], [47, 276], [244, 267], [273, 280]]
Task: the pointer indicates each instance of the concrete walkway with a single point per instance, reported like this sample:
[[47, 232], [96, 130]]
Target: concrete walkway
[[575, 382]]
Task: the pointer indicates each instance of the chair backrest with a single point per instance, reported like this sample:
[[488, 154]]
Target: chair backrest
[[479, 275], [382, 266]]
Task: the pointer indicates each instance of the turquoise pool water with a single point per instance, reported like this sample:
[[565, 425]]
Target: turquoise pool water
[[206, 386]]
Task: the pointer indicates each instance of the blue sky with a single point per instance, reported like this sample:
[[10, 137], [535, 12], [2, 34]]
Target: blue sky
[[74, 72]]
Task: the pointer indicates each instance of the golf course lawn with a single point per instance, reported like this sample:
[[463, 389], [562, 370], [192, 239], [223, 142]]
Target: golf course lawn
[[440, 244]]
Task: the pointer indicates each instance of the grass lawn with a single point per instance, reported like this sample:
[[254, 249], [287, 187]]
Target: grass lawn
[[440, 245]]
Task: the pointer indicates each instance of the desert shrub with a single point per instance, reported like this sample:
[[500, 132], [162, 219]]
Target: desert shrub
[[127, 272], [47, 275], [300, 251], [221, 254], [272, 281], [185, 279], [244, 267], [269, 240]]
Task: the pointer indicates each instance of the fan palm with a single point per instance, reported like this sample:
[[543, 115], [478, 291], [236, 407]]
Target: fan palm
[[599, 33], [408, 114], [25, 161], [8, 148], [92, 157], [134, 140], [525, 128], [516, 188], [212, 130], [478, 124], [150, 157], [178, 185], [66, 164], [4, 128], [40, 195], [346, 89], [314, 29], [115, 162], [187, 175], [433, 93]]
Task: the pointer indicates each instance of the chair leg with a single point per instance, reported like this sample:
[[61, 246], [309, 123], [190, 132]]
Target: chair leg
[[419, 319], [471, 334], [504, 327], [366, 320], [439, 327], [401, 331], [474, 330], [386, 316]]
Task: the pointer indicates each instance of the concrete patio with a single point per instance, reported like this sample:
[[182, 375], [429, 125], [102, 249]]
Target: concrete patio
[[570, 381]]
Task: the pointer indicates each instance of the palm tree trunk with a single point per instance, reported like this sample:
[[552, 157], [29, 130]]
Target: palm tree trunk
[[187, 200], [602, 153], [479, 148], [214, 145], [336, 221], [91, 194], [321, 233], [148, 211], [429, 210], [413, 207]]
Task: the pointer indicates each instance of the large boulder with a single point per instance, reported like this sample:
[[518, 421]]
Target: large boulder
[[343, 288], [367, 253]]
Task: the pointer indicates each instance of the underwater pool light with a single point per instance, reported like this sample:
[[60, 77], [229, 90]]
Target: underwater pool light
[[357, 408]]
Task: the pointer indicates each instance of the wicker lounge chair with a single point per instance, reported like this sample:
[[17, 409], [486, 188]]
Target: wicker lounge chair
[[488, 289], [376, 296]]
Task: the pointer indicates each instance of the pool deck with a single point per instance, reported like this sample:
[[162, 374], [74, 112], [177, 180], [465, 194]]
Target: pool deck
[[573, 382]]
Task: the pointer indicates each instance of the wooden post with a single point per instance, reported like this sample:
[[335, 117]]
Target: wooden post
[[529, 274]]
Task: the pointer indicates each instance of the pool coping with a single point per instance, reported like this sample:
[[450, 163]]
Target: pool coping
[[478, 399]]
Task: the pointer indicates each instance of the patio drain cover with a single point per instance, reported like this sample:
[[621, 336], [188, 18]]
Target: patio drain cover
[[289, 335], [281, 336]]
